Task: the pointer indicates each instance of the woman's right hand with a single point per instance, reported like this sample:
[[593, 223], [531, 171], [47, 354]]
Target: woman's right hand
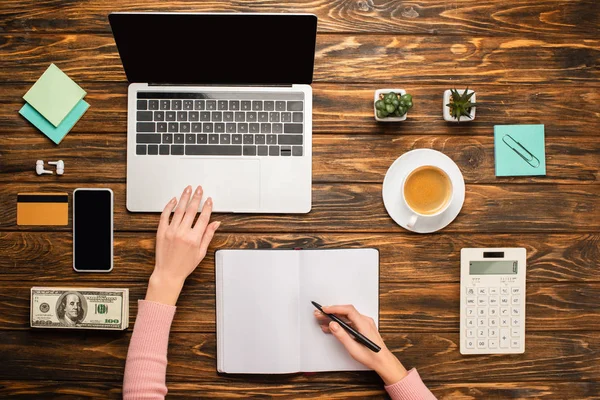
[[384, 362]]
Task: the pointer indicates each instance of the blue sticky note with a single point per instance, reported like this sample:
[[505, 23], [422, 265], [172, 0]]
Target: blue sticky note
[[56, 134], [519, 150]]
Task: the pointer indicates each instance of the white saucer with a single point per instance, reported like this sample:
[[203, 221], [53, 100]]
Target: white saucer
[[392, 196]]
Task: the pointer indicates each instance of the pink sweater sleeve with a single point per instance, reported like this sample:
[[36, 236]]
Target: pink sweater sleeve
[[411, 387], [146, 365]]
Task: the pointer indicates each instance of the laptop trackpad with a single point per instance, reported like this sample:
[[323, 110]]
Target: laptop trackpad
[[234, 185]]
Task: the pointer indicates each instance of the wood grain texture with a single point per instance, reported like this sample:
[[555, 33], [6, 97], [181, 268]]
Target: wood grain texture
[[565, 109], [359, 208], [436, 17], [343, 58], [336, 158], [551, 356], [404, 307], [403, 257]]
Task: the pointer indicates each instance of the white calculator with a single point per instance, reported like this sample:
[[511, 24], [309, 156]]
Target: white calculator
[[492, 301]]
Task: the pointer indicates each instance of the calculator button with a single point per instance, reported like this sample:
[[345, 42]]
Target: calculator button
[[470, 311], [493, 344], [503, 321], [493, 291], [493, 300], [470, 343], [516, 290], [515, 332], [481, 291], [504, 338], [470, 291], [516, 322], [481, 333], [493, 322], [514, 343], [470, 333], [504, 290], [471, 322], [516, 300], [481, 311], [493, 332], [471, 301], [504, 301], [493, 311], [481, 343], [504, 312], [481, 321], [515, 312], [482, 301]]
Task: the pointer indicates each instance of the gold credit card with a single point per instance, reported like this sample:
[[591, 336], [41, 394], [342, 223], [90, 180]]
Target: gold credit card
[[42, 209]]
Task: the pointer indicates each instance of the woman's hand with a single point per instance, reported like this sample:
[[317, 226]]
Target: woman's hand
[[180, 247], [383, 362]]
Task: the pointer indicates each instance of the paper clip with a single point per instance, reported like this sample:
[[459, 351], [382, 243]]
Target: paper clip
[[529, 158]]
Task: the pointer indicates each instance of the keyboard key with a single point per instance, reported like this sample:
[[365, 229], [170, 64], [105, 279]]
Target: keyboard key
[[470, 333], [234, 105], [240, 116], [515, 332], [292, 128], [181, 115], [140, 149], [211, 105], [219, 127], [470, 311], [199, 105], [188, 105], [494, 291], [147, 138], [254, 127], [190, 138], [471, 322], [177, 150], [251, 116], [213, 150], [161, 127], [493, 311], [170, 116], [297, 117], [273, 150], [165, 104], [482, 311], [263, 117], [163, 150], [222, 104], [257, 105], [262, 150], [207, 127], [515, 312], [213, 138], [514, 343], [471, 301], [159, 115], [259, 139], [286, 117], [280, 106], [184, 127], [294, 106], [167, 138], [202, 138], [481, 322], [481, 333], [274, 116], [249, 150], [481, 291], [285, 151], [481, 343], [230, 127], [269, 105], [493, 300], [194, 116], [515, 290], [173, 127], [493, 343], [470, 343], [504, 291], [236, 139], [246, 105], [216, 116], [242, 127], [248, 139], [175, 105], [179, 138], [153, 105], [205, 116], [516, 322], [142, 104], [228, 116], [503, 321], [293, 139], [277, 128], [196, 127], [493, 322], [516, 300], [265, 127], [504, 338], [225, 138], [146, 127], [470, 291], [152, 149], [271, 139], [493, 332]]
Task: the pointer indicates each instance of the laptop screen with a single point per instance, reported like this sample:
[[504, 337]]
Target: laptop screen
[[229, 49]]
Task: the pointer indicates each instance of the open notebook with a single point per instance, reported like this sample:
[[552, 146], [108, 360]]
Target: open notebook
[[265, 321]]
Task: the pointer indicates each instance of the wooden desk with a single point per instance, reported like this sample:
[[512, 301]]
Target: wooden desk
[[534, 61]]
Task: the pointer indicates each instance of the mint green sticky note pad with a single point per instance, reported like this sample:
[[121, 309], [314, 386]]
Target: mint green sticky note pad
[[56, 134], [519, 150], [54, 95]]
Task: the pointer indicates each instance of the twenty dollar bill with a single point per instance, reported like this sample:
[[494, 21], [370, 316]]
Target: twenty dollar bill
[[79, 308]]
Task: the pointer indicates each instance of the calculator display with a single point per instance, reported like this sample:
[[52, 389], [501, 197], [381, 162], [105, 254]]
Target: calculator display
[[498, 267]]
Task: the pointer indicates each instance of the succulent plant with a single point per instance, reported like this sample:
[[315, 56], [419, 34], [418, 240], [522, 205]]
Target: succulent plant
[[393, 104], [460, 104]]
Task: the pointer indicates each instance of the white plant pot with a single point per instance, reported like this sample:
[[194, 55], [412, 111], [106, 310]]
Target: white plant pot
[[401, 92], [446, 110]]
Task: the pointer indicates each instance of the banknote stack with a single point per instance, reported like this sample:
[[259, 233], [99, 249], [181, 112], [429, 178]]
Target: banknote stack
[[79, 308]]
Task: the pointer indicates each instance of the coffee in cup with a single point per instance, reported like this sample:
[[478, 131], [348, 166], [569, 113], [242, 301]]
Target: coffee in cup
[[427, 191]]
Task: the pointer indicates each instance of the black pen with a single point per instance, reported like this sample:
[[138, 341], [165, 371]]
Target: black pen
[[357, 335]]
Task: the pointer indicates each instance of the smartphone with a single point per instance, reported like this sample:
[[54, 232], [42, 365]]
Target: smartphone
[[92, 230]]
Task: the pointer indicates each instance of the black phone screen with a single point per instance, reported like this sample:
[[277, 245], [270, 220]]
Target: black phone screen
[[92, 230]]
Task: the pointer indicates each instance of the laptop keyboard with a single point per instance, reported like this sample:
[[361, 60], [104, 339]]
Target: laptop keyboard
[[192, 124]]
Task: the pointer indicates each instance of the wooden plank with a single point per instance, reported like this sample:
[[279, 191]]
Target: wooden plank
[[411, 307], [359, 208], [307, 390], [344, 58], [336, 158], [567, 109], [30, 256], [75, 356], [540, 17]]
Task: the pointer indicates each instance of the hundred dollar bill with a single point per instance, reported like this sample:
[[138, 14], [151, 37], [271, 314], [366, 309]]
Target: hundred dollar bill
[[79, 308]]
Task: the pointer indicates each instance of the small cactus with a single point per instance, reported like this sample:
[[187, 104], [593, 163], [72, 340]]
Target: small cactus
[[460, 105], [393, 105]]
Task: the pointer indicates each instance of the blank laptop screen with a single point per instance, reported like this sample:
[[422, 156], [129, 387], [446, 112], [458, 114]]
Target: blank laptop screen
[[229, 49]]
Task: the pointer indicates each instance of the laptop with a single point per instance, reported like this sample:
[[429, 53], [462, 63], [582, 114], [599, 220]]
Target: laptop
[[221, 100]]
